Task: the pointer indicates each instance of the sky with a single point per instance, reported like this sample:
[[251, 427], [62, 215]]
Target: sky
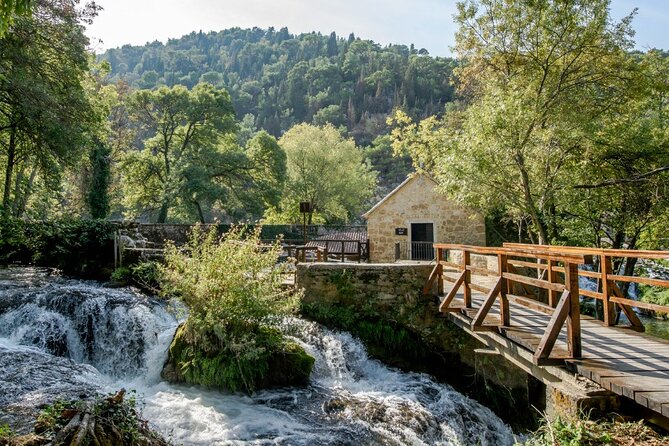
[[425, 23]]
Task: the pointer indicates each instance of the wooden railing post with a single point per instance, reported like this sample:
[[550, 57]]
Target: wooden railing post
[[504, 310], [606, 267], [440, 272], [553, 295], [468, 278], [574, 319], [342, 251]]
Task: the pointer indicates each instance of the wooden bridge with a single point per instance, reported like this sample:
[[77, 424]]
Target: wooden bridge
[[524, 302]]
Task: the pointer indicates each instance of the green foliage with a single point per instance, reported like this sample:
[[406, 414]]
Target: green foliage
[[98, 194], [146, 275], [50, 420], [9, 8], [185, 153], [653, 294], [115, 419], [121, 275], [326, 170], [392, 169], [560, 126], [5, 432], [280, 363], [77, 247], [232, 288], [583, 432], [283, 79], [269, 168], [48, 117]]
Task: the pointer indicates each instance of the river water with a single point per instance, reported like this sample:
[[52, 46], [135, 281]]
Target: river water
[[62, 338]]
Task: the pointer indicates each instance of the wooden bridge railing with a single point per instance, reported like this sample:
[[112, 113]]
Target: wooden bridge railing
[[608, 291], [556, 271], [567, 308]]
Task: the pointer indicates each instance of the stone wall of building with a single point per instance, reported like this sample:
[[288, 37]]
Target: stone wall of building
[[418, 202]]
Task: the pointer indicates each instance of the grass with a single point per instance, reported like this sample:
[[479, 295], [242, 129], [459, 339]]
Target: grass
[[581, 432]]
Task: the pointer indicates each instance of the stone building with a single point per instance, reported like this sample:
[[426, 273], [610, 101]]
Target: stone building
[[405, 223]]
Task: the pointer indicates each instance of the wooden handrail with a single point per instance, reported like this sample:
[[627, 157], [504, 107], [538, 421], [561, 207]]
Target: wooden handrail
[[533, 253], [606, 275], [631, 253]]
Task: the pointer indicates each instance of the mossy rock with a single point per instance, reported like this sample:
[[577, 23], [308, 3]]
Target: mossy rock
[[289, 367], [287, 364]]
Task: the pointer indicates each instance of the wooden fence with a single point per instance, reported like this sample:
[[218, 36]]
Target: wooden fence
[[534, 267]]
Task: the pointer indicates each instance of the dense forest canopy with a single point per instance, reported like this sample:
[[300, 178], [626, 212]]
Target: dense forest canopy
[[277, 79]]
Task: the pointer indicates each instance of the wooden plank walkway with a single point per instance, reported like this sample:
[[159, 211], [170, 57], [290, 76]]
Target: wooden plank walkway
[[619, 359]]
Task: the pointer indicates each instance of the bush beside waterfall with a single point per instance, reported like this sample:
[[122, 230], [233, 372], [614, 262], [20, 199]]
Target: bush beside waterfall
[[78, 247], [232, 288]]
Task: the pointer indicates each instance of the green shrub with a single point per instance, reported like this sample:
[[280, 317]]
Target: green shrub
[[653, 294], [5, 432], [583, 432], [147, 275], [121, 275], [232, 288], [75, 246]]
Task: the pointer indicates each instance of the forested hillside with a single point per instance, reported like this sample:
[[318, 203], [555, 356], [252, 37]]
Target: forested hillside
[[277, 79]]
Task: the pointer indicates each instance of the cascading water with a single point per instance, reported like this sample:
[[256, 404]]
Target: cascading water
[[64, 339]]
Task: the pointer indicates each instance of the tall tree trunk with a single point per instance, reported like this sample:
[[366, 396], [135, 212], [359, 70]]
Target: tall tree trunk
[[21, 208], [18, 195], [538, 224], [9, 170], [162, 215], [199, 211]]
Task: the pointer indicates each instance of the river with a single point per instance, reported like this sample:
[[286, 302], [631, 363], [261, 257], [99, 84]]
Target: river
[[62, 338]]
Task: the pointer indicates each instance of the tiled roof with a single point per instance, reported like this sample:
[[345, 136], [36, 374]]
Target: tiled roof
[[332, 239]]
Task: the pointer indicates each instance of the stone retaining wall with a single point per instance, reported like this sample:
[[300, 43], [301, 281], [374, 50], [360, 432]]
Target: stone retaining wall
[[385, 283]]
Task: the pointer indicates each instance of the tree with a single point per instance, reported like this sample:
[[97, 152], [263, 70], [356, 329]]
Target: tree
[[268, 160], [98, 193], [535, 74], [185, 150], [392, 170], [10, 8], [623, 195], [45, 113], [326, 170]]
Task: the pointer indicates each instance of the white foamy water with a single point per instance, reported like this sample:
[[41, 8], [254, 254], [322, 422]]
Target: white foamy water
[[85, 337]]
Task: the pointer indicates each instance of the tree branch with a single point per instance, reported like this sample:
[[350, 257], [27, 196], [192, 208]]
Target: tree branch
[[633, 179]]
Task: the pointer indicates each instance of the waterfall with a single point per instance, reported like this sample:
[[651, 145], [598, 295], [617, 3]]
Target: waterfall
[[73, 338]]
